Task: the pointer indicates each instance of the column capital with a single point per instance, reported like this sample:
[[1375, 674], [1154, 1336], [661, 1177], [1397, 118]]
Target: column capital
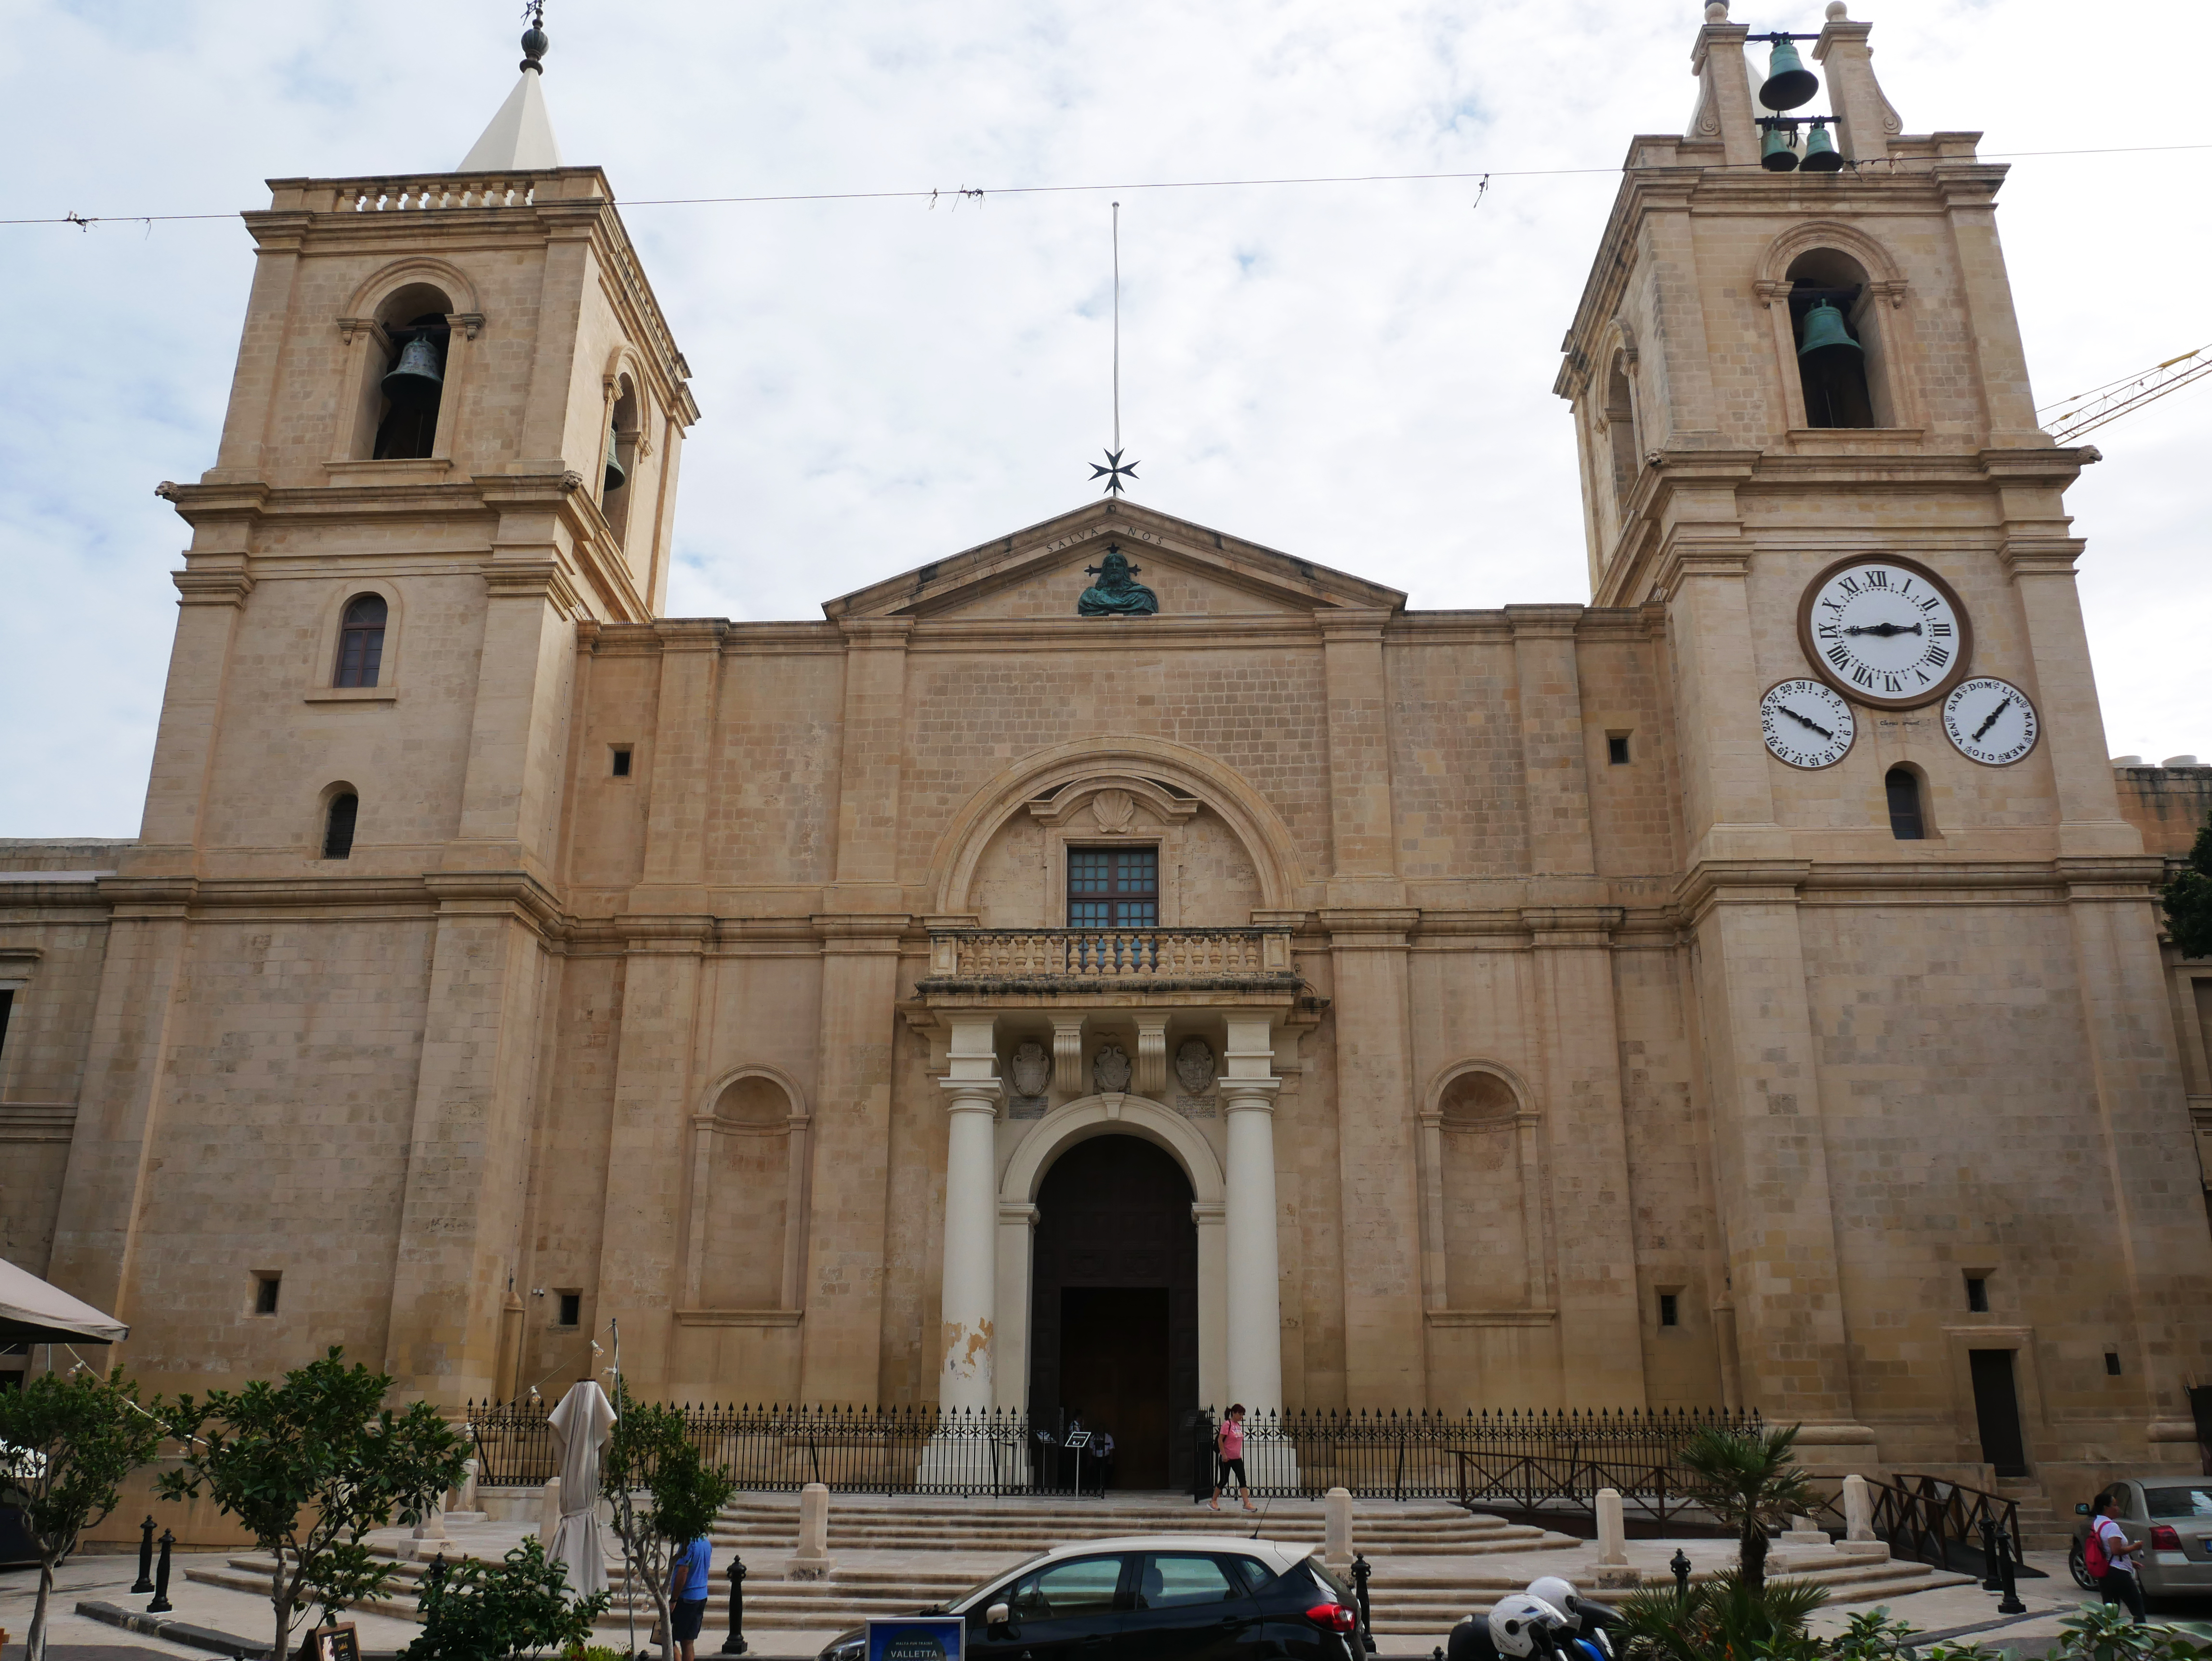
[[1249, 1095], [967, 1094]]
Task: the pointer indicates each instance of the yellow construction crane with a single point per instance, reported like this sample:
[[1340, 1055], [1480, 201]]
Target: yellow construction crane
[[2070, 419]]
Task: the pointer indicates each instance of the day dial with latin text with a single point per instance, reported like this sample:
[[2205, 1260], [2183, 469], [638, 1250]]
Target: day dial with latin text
[[1989, 721], [1885, 631], [1805, 724]]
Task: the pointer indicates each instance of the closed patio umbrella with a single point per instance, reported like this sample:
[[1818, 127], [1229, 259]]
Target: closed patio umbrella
[[32, 1312], [580, 1426]]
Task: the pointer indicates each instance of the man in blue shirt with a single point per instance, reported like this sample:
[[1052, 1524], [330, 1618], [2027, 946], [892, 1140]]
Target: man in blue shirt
[[687, 1595]]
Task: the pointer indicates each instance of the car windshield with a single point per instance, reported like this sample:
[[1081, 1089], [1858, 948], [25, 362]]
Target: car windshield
[[2179, 1500], [974, 1594]]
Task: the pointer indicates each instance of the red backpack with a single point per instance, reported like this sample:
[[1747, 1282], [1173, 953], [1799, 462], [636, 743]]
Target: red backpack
[[2093, 1552]]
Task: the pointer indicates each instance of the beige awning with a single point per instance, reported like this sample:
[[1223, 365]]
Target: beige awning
[[32, 1312]]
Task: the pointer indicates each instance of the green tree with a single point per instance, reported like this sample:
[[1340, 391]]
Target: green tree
[[309, 1467], [66, 1444], [2188, 899], [521, 1605], [1749, 1480], [663, 1493]]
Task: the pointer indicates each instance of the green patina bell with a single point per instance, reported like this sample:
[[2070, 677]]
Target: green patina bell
[[1825, 331], [1788, 82], [1821, 154], [1777, 152], [617, 475], [416, 375]]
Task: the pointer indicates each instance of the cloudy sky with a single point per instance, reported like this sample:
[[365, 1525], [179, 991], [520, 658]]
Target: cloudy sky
[[1357, 373]]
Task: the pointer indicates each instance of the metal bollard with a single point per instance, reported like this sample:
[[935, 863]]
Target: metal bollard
[[1361, 1569], [735, 1643], [1680, 1565], [145, 1580], [1990, 1581], [2009, 1603], [435, 1574], [161, 1605]]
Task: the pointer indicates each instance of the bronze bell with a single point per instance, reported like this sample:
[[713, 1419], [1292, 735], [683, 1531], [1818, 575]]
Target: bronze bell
[[1788, 82], [1825, 331], [617, 475], [416, 375], [1821, 154]]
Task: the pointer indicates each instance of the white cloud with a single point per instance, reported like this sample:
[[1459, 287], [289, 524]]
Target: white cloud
[[1359, 375]]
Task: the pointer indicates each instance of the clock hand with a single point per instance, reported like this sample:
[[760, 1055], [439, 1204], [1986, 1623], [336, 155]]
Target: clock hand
[[1886, 629], [1801, 721], [1992, 721]]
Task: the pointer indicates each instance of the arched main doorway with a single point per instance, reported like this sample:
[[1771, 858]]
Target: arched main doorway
[[1114, 1304]]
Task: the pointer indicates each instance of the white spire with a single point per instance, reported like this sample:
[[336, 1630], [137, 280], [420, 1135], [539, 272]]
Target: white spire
[[520, 136]]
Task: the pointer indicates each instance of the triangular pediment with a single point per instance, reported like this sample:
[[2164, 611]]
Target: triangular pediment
[[1041, 572]]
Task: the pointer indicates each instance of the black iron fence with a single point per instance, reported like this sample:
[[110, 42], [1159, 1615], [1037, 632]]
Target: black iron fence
[[1524, 1461], [1937, 1522]]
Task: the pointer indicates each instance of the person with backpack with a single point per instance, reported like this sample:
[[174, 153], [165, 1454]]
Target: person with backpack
[[2109, 1556], [1229, 1448]]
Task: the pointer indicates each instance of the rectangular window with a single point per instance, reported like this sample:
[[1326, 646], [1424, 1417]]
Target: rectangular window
[[1977, 1294], [1670, 1309], [264, 1293], [2113, 1363], [1616, 749], [1905, 822], [622, 761], [1113, 887], [7, 1004], [572, 1308]]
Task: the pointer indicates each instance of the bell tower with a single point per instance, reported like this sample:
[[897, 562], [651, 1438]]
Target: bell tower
[[1808, 451], [450, 456]]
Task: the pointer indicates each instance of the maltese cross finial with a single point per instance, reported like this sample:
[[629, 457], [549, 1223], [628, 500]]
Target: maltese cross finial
[[1115, 470]]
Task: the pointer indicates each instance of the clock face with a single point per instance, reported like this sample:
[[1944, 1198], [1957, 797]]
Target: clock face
[[1805, 723], [1990, 720], [1885, 631]]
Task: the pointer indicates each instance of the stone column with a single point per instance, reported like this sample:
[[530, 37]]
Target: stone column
[[969, 1305], [1254, 1323], [1212, 1305]]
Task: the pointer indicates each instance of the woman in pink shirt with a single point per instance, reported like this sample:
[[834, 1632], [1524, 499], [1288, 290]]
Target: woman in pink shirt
[[1229, 1444]]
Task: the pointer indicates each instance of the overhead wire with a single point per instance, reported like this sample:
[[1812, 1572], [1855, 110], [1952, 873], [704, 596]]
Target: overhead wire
[[1888, 164]]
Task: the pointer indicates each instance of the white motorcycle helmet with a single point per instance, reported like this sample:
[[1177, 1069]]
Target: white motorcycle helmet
[[1521, 1625], [1560, 1595]]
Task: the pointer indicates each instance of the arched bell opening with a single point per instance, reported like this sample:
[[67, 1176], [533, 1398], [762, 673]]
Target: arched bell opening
[[1837, 362], [619, 466], [1620, 436], [1114, 1315], [411, 384]]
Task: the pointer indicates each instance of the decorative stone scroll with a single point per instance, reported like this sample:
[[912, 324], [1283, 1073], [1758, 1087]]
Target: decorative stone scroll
[[1110, 1070]]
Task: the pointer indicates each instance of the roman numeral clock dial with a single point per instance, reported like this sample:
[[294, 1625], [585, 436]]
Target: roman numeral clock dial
[[1885, 632]]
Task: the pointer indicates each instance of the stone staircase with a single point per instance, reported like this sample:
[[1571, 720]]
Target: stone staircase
[[2043, 1526]]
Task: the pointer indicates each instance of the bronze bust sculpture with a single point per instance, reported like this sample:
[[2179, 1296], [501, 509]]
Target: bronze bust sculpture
[[1118, 594]]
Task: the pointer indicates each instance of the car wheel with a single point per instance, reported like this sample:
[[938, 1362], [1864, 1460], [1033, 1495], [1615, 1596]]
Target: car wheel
[[2080, 1569]]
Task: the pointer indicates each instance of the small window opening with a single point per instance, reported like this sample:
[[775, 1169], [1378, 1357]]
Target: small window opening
[[412, 387], [622, 761], [2113, 1362], [572, 1309], [1616, 749], [1906, 822], [264, 1293], [1113, 887], [1670, 1309], [7, 1004], [1978, 1295], [337, 830], [360, 641]]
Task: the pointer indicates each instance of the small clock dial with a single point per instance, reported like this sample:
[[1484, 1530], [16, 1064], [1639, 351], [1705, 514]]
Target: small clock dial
[[1805, 723], [1990, 720], [1885, 631]]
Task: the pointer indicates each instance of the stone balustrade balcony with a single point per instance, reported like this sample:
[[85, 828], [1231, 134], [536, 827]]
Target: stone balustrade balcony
[[1110, 959]]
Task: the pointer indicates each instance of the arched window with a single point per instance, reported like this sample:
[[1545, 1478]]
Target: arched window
[[408, 390], [1836, 365], [360, 641], [744, 1158], [1906, 821], [621, 459], [337, 826], [1620, 432]]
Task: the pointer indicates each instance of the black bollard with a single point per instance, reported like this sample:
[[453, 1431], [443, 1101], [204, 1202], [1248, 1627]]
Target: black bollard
[[1990, 1581], [435, 1574], [145, 1580], [1680, 1565], [1361, 1569], [735, 1643], [161, 1605], [2009, 1603]]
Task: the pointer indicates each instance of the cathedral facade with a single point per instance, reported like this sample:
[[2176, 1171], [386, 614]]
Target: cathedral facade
[[1119, 966]]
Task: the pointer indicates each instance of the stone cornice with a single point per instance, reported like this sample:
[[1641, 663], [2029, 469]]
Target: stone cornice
[[1369, 929]]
